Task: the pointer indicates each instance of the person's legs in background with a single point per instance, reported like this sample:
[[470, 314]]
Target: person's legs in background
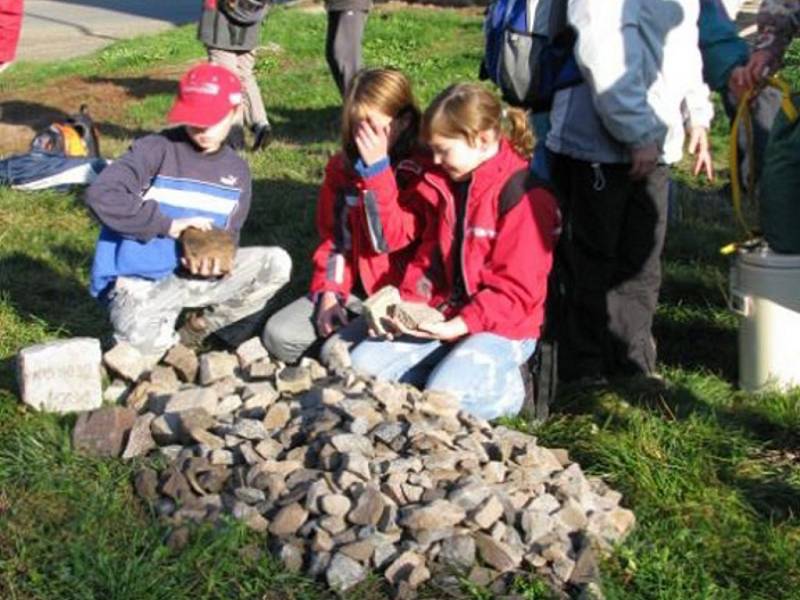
[[343, 45]]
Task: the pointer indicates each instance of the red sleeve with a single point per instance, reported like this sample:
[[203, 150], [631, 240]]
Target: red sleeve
[[514, 278], [332, 265], [392, 221]]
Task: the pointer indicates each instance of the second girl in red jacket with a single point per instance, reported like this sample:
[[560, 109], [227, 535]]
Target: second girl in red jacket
[[485, 252]]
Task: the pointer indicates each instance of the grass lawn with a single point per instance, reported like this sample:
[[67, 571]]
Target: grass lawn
[[713, 474]]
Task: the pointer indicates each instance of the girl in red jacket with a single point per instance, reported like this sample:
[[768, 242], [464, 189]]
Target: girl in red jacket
[[484, 257], [351, 260]]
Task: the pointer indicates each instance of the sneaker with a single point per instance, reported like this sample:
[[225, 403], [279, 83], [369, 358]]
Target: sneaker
[[263, 136], [236, 138]]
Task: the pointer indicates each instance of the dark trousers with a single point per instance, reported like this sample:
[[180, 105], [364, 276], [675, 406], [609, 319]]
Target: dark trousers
[[343, 45], [610, 260]]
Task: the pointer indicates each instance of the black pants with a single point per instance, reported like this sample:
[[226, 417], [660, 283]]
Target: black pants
[[343, 45], [610, 260]]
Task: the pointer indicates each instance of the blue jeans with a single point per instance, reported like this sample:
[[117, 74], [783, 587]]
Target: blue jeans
[[482, 370]]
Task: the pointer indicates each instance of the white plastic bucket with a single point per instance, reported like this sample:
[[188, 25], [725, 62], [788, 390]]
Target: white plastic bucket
[[765, 293]]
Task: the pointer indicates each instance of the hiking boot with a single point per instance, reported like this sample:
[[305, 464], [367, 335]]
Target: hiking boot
[[235, 138], [262, 136], [194, 330]]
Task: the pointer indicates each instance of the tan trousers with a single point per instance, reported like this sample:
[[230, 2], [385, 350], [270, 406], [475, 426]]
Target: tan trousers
[[242, 64]]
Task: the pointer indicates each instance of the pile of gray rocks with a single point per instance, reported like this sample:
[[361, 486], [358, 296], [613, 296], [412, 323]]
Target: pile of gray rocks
[[346, 475]]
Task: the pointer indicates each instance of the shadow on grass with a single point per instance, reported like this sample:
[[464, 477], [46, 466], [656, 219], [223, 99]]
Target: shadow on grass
[[139, 87], [770, 496], [307, 125], [698, 345], [283, 214], [40, 294], [38, 116]]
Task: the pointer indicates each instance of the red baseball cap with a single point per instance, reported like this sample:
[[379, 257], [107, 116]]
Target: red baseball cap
[[206, 93]]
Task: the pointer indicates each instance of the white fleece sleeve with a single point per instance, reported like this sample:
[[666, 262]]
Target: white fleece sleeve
[[696, 107]]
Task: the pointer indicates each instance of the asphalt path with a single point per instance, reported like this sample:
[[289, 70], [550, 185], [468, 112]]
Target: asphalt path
[[56, 29]]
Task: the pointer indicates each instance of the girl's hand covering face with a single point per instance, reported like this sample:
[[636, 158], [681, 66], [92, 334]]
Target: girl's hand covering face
[[372, 140]]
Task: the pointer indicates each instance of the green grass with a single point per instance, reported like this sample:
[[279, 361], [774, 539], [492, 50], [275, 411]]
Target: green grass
[[712, 473]]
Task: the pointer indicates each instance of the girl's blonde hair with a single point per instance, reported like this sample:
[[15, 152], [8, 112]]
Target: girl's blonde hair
[[387, 91], [467, 109]]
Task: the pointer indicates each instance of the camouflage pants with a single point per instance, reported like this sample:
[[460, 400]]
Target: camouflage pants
[[143, 312], [482, 370]]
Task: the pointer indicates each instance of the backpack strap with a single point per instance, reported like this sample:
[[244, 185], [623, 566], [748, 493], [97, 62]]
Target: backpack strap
[[517, 186]]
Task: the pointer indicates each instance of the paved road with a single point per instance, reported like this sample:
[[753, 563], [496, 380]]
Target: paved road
[[54, 29]]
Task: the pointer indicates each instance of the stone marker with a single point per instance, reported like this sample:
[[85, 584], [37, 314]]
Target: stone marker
[[102, 432], [61, 376]]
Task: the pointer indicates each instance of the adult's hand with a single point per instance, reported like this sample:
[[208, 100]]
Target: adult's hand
[[754, 72], [643, 160], [372, 142], [736, 83], [699, 148], [330, 314]]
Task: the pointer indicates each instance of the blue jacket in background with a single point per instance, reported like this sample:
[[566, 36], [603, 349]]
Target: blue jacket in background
[[720, 44]]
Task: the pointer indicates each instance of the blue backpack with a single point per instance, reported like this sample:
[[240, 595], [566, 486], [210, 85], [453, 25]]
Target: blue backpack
[[528, 51]]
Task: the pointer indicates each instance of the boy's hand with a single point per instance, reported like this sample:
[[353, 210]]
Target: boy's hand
[[330, 314], [208, 253], [699, 148], [204, 267], [179, 225], [372, 142]]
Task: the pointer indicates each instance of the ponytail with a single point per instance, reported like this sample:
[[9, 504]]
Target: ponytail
[[518, 130], [466, 109]]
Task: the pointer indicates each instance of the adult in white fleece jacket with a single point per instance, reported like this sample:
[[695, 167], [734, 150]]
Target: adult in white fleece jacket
[[613, 137]]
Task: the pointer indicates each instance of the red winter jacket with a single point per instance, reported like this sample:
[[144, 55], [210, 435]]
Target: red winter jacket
[[348, 250], [506, 253]]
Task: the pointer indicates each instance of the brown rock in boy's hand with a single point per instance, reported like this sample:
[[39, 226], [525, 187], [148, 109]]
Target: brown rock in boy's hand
[[207, 253]]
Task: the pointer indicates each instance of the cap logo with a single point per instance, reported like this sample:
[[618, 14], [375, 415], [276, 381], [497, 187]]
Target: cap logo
[[210, 89], [235, 98]]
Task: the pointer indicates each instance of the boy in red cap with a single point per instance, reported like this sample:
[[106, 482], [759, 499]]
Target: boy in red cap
[[183, 177]]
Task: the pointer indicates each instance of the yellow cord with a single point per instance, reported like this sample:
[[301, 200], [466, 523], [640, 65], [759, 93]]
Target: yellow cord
[[743, 116]]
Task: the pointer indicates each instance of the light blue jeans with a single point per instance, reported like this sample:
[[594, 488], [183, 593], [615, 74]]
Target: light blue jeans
[[482, 370]]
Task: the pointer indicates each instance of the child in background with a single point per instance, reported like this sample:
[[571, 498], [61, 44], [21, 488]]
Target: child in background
[[352, 259], [231, 30], [483, 260], [182, 177]]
